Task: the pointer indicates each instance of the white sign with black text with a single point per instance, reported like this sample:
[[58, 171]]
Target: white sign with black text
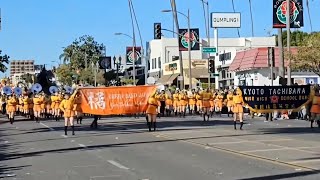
[[225, 20]]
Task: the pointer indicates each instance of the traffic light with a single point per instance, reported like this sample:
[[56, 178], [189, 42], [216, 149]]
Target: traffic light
[[211, 66], [105, 62], [157, 30]]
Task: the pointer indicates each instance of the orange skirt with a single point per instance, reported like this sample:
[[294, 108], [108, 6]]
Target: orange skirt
[[192, 102], [211, 103], [56, 105], [30, 106], [48, 107], [68, 113], [219, 104], [199, 103], [152, 109], [183, 102], [238, 108], [229, 103], [11, 109], [25, 107], [176, 103], [206, 104], [169, 102], [315, 108], [43, 106], [37, 107]]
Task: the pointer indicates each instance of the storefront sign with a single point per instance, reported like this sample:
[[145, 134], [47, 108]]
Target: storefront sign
[[265, 99]]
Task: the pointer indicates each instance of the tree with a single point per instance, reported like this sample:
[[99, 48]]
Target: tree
[[4, 59], [296, 38], [82, 52], [308, 56], [65, 74], [28, 78]]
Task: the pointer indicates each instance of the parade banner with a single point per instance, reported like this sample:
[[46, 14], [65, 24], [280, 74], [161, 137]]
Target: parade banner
[[115, 100], [267, 99]]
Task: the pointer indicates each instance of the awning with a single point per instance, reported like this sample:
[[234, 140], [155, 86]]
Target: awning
[[167, 79], [197, 73]]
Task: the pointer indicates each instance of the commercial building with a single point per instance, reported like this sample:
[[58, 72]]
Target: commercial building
[[251, 68], [21, 67], [164, 56]]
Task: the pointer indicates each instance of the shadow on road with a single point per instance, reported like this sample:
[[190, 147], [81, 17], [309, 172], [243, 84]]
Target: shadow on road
[[298, 175]]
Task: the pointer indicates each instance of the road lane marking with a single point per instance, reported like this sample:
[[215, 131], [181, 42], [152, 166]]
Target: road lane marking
[[265, 150], [64, 136], [85, 166], [117, 164], [306, 161], [51, 129], [248, 155], [82, 145]]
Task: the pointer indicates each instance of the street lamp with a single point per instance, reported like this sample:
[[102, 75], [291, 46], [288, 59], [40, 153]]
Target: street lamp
[[95, 69], [117, 62], [134, 55], [189, 45]]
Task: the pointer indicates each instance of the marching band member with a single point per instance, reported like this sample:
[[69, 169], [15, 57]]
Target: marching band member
[[66, 106], [3, 104], [43, 104], [212, 102], [169, 102], [219, 102], [199, 102], [230, 102], [20, 106], [238, 108], [37, 107], [162, 98], [77, 108], [25, 104], [206, 97], [192, 101], [183, 102], [315, 108], [176, 104], [30, 106], [152, 111], [11, 107], [48, 106]]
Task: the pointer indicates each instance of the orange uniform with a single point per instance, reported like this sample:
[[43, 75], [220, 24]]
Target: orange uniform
[[199, 100], [219, 100], [192, 99], [315, 108], [11, 104], [206, 96], [176, 100], [37, 104], [152, 106], [238, 104], [229, 100], [25, 103], [43, 103], [183, 100], [169, 101], [66, 106]]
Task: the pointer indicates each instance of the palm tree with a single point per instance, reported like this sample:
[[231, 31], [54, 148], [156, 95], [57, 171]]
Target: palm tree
[[67, 54], [4, 59]]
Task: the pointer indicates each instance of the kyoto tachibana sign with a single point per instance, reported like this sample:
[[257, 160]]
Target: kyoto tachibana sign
[[130, 56], [266, 99], [183, 39], [280, 13], [115, 100]]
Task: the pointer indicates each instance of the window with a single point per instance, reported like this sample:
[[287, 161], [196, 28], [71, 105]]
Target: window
[[225, 56], [153, 63], [223, 74], [159, 62], [149, 64]]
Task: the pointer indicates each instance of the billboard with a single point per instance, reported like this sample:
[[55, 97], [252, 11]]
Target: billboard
[[280, 10], [225, 20], [183, 39], [130, 56]]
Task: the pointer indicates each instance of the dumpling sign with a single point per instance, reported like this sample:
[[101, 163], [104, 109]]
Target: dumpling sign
[[265, 99]]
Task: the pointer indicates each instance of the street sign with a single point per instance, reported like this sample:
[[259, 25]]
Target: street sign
[[209, 50], [225, 20], [214, 75]]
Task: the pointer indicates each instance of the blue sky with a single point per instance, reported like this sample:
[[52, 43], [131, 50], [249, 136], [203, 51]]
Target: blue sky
[[38, 29]]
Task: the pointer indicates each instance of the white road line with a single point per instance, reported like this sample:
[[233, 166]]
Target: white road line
[[82, 145], [265, 150], [64, 136], [117, 164], [305, 161], [51, 129]]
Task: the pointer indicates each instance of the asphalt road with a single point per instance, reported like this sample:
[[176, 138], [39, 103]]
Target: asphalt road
[[182, 149]]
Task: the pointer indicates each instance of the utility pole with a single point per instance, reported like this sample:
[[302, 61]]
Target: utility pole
[[288, 43], [175, 15], [281, 58], [189, 51]]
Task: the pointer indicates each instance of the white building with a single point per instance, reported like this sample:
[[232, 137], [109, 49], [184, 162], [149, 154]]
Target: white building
[[165, 52]]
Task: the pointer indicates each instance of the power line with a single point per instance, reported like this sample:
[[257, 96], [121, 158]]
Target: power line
[[250, 4], [138, 27], [234, 10], [310, 21]]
